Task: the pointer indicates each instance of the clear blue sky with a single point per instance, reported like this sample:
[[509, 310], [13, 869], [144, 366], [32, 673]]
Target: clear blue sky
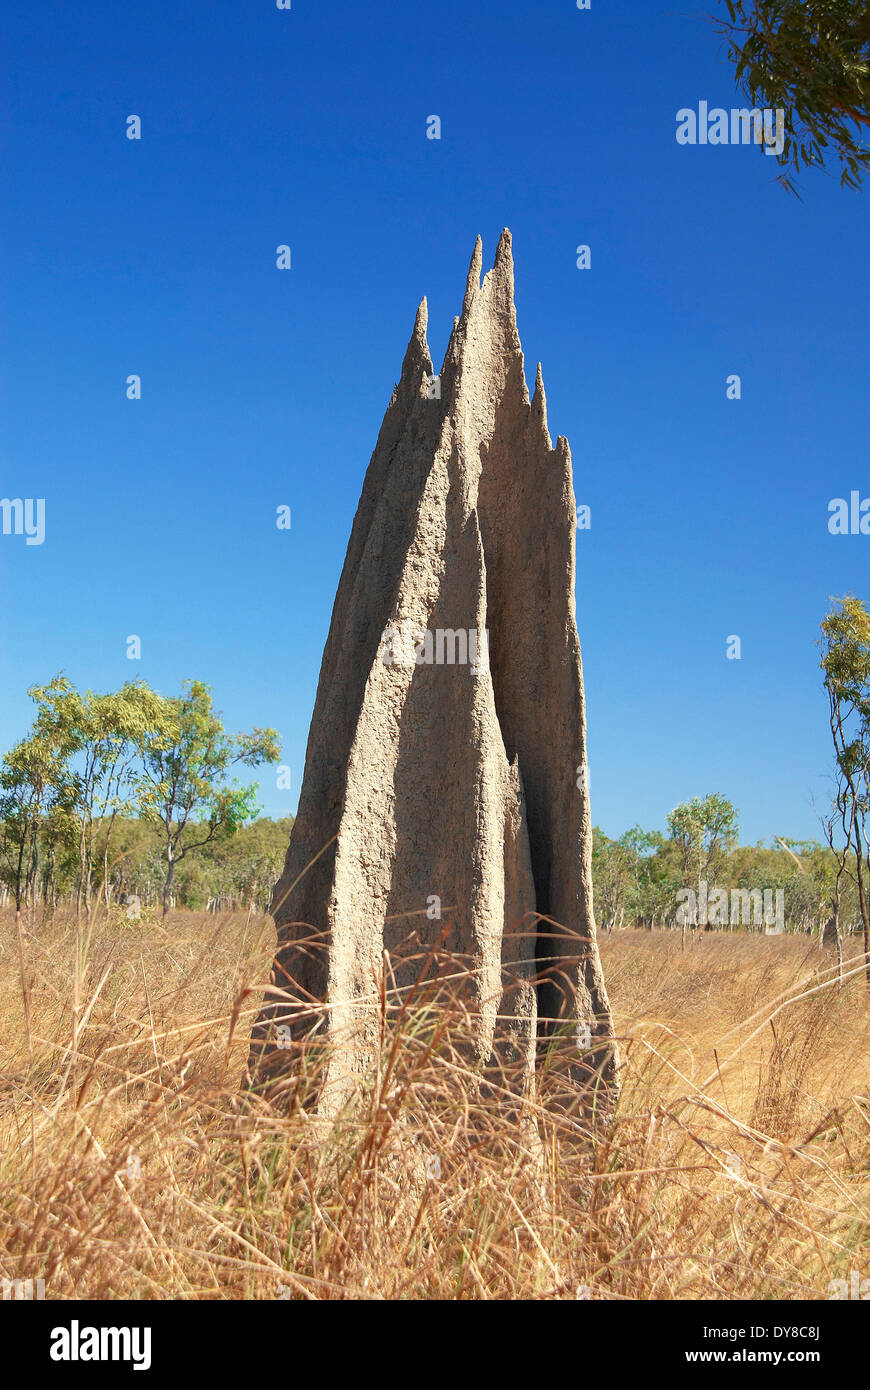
[[262, 387]]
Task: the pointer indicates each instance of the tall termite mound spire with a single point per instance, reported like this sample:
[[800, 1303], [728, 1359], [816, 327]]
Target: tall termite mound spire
[[445, 773]]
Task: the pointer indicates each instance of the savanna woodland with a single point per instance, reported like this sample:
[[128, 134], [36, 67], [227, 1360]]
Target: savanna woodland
[[136, 944]]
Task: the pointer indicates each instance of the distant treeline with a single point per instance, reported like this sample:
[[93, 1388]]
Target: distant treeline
[[96, 768], [130, 792], [234, 872], [638, 878], [641, 879]]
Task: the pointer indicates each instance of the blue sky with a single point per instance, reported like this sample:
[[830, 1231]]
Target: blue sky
[[260, 387]]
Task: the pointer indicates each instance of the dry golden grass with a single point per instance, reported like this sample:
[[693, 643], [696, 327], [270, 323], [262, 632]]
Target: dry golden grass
[[134, 1166]]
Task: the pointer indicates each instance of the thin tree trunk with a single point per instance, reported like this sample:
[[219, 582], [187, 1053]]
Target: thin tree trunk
[[170, 874], [81, 889], [862, 896], [19, 877]]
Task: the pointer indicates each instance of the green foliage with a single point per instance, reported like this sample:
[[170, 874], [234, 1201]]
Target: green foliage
[[633, 877], [103, 734], [846, 655], [187, 756], [183, 786], [812, 58], [231, 872], [642, 890], [91, 761], [36, 785], [703, 829], [845, 661]]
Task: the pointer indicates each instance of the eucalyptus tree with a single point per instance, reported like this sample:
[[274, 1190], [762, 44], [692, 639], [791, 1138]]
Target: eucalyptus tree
[[106, 736], [184, 787], [612, 879], [845, 661], [703, 830], [811, 58], [35, 782]]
